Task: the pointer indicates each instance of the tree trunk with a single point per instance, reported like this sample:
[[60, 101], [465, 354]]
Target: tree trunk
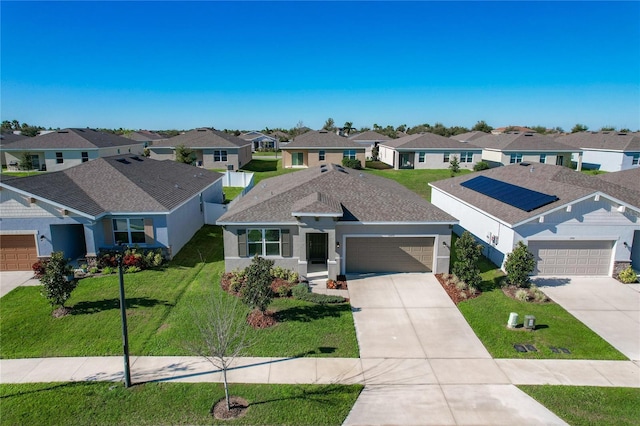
[[226, 388]]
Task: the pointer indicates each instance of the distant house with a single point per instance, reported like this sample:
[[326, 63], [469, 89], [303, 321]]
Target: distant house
[[61, 149], [607, 151], [320, 147], [369, 139], [517, 147], [260, 141], [428, 151], [339, 220], [144, 136], [213, 149], [97, 205], [469, 136], [5, 140], [574, 224]]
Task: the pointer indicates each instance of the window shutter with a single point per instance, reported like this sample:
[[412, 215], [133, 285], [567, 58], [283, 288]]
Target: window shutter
[[148, 232], [107, 225], [242, 242], [285, 240]]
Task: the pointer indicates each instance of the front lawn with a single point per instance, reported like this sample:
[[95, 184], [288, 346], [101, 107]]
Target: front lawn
[[103, 403], [589, 405], [159, 306], [417, 180]]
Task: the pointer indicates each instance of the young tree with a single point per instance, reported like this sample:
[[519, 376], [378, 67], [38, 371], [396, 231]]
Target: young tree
[[454, 165], [519, 265], [375, 152], [26, 162], [467, 252], [223, 333], [348, 127], [329, 124], [57, 286], [185, 155], [256, 292]]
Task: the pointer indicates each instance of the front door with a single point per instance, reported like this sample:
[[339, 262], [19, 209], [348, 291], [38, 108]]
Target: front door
[[317, 248]]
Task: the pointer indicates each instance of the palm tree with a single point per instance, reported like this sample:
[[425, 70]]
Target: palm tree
[[348, 127]]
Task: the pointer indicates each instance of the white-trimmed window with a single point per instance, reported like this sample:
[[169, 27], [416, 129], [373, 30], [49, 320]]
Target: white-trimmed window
[[635, 159], [85, 156], [421, 156], [515, 158], [321, 155], [263, 242], [446, 157], [128, 231], [59, 158], [349, 153], [543, 158], [219, 155], [466, 157]]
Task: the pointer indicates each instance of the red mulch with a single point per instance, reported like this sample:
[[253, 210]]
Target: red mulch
[[257, 319], [337, 284], [239, 407], [454, 293]]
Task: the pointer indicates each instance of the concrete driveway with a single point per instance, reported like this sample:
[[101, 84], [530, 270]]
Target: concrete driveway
[[603, 304], [12, 279]]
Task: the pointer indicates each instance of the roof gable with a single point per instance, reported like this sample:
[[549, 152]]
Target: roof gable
[[203, 138], [428, 141], [369, 135], [518, 141], [322, 139], [605, 141], [73, 139]]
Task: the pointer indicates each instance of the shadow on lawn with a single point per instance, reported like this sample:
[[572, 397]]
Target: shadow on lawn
[[83, 308], [261, 166], [316, 393], [311, 313], [204, 247]]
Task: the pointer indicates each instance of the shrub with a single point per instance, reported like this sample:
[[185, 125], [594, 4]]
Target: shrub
[[481, 165], [463, 295], [461, 285], [519, 265], [55, 283], [107, 270], [628, 276], [522, 295], [94, 270], [256, 292], [131, 269], [352, 163], [302, 292], [39, 268], [472, 289], [468, 253], [283, 291], [446, 277], [537, 294], [293, 277]]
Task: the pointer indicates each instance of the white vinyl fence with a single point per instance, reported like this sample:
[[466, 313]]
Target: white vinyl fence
[[212, 211]]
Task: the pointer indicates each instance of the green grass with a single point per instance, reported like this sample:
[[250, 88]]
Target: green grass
[[589, 405], [99, 403], [20, 174], [159, 314], [231, 192], [416, 180], [267, 154], [264, 169]]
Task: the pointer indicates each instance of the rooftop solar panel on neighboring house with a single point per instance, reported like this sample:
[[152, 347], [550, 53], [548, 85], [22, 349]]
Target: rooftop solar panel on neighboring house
[[516, 196]]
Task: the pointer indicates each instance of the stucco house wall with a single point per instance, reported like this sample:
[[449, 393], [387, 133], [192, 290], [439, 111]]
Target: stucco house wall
[[311, 157], [386, 155]]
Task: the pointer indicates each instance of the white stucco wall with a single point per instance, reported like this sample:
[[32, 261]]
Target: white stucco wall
[[386, 154], [609, 161]]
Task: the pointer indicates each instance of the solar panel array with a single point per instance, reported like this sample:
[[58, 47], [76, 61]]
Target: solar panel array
[[514, 195]]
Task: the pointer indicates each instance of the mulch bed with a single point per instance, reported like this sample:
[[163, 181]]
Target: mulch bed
[[455, 294], [511, 290], [339, 284], [257, 319], [239, 407], [61, 312]]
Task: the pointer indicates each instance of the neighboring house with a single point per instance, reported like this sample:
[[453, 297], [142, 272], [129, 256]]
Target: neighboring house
[[469, 136], [320, 147], [145, 136], [338, 220], [428, 151], [607, 151], [5, 140], [517, 147], [574, 224], [61, 149], [369, 139], [213, 149], [509, 129], [260, 141], [128, 199]]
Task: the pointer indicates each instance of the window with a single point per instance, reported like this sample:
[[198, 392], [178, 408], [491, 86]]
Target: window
[[349, 153], [128, 231], [297, 159], [219, 155], [515, 158], [59, 159], [263, 242], [321, 155], [543, 158], [446, 157], [85, 156], [560, 160], [635, 159], [466, 157], [421, 156]]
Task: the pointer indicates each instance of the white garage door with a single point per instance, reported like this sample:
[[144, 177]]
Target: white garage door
[[389, 254], [572, 257]]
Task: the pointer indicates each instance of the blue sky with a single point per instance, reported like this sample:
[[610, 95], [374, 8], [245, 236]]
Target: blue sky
[[247, 65]]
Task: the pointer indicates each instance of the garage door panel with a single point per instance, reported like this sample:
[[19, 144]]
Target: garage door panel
[[389, 254], [17, 252], [572, 257]]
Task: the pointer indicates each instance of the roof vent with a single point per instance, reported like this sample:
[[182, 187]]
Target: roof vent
[[528, 134], [323, 131], [524, 163], [63, 131], [123, 161], [201, 130], [622, 134]]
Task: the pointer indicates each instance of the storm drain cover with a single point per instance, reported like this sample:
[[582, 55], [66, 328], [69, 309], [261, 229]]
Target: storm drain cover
[[531, 348], [554, 349], [520, 348], [565, 350]]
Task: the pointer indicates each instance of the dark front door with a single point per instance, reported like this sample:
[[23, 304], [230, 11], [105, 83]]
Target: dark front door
[[316, 248]]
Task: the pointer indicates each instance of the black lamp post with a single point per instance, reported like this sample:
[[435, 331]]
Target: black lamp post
[[125, 335]]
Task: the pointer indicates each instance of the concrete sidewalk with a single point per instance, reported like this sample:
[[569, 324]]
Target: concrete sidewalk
[[13, 279]]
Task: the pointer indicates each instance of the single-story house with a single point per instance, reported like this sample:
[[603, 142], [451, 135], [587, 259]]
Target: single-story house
[[469, 136], [213, 149], [320, 147], [259, 140], [100, 204], [61, 149], [428, 151], [574, 224], [5, 140], [369, 139], [145, 136], [516, 147], [339, 220], [607, 151]]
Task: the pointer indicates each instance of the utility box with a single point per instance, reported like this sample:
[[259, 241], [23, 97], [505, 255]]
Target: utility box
[[529, 322], [513, 320]]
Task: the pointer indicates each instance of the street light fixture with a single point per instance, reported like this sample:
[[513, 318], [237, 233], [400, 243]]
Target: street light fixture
[[123, 313]]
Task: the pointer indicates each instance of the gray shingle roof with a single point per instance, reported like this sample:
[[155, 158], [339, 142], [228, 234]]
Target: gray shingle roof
[[517, 141], [72, 139], [322, 139], [568, 185], [629, 179], [9, 138], [362, 197], [426, 141], [203, 138], [143, 136], [369, 135], [469, 136], [614, 141], [109, 185]]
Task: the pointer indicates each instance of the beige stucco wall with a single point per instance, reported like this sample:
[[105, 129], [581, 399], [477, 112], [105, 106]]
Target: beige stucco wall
[[311, 157]]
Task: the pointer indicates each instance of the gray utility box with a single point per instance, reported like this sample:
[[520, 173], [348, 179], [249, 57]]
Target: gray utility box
[[529, 322]]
